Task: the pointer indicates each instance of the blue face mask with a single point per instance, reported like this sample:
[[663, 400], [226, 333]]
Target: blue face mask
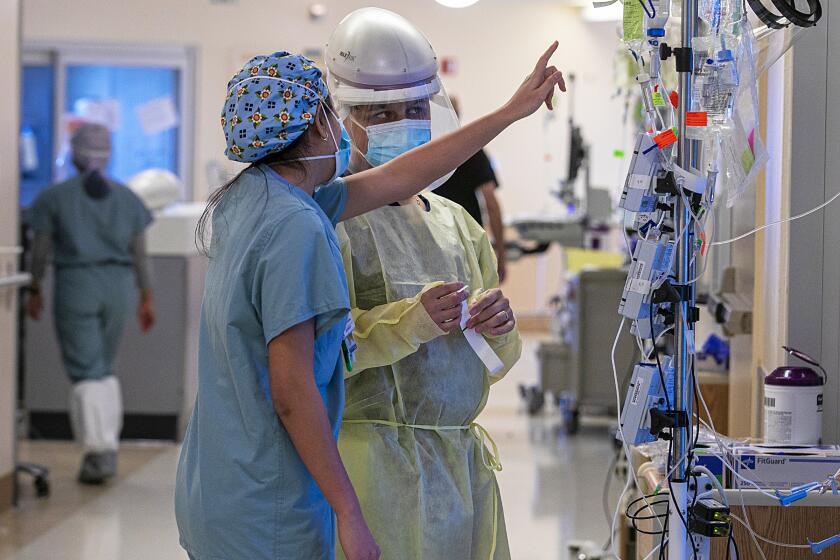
[[341, 155], [389, 140]]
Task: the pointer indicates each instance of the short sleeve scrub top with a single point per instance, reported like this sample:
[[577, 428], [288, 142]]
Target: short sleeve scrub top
[[242, 489]]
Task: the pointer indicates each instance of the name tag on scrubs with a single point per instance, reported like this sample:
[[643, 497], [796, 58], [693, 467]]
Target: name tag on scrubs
[[348, 345]]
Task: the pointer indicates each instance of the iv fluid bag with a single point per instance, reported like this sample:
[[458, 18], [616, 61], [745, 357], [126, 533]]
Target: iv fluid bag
[[662, 11], [772, 44]]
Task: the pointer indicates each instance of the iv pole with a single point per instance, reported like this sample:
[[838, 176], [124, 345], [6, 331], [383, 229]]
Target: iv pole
[[678, 546]]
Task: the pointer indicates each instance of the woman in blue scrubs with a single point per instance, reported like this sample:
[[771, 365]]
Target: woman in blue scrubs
[[260, 476]]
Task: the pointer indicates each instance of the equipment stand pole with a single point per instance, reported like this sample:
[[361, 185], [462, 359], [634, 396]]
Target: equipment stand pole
[[678, 546]]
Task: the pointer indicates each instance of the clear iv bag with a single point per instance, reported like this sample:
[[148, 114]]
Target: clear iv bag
[[772, 44]]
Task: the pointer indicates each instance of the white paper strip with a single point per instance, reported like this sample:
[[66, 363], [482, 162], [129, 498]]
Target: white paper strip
[[479, 345]]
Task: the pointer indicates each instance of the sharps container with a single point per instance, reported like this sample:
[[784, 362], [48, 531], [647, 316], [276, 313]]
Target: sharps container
[[793, 405]]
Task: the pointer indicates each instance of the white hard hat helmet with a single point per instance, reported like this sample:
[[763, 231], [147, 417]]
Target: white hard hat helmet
[[379, 63], [376, 48]]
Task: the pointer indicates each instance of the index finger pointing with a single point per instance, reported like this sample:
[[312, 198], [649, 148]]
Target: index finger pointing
[[539, 69]]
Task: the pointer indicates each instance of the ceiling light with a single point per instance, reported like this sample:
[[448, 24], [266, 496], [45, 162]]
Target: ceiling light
[[456, 3], [612, 13]]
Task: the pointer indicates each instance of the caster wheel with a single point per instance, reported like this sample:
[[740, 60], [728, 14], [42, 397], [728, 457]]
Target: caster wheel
[[42, 487]]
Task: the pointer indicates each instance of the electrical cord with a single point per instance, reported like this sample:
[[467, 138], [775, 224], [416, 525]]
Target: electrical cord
[[658, 363], [657, 548], [732, 470], [671, 442], [730, 545], [722, 456], [676, 505], [765, 539], [664, 538], [776, 223], [636, 516], [696, 387], [715, 482], [605, 497], [689, 452], [631, 479], [789, 13]]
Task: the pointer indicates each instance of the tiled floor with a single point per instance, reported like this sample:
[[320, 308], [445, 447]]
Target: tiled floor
[[551, 489]]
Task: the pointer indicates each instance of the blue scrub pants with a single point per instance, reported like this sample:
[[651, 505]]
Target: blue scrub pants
[[91, 305]]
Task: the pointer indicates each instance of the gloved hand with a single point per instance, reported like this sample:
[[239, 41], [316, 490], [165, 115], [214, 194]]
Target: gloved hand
[[491, 314], [443, 304]]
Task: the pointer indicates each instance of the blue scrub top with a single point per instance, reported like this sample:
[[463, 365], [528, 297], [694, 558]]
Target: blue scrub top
[[89, 231], [242, 489]]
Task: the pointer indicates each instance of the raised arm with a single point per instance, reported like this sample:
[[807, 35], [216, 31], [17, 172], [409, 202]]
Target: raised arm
[[411, 172]]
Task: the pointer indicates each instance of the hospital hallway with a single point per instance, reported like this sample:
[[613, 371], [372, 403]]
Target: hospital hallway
[[551, 489]]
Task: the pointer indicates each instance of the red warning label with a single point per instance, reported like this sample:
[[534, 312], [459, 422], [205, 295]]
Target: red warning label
[[665, 139], [696, 118]]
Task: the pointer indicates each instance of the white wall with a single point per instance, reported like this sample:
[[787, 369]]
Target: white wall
[[494, 42], [813, 305], [8, 235]]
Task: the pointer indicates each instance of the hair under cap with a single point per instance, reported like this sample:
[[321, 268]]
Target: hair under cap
[[269, 104]]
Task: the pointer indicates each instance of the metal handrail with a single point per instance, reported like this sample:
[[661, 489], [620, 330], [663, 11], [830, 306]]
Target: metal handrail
[[16, 280]]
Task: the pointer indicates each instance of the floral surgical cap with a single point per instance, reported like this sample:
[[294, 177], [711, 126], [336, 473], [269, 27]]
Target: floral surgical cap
[[269, 104]]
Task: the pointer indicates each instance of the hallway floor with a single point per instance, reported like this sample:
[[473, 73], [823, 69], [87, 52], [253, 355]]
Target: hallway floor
[[551, 489]]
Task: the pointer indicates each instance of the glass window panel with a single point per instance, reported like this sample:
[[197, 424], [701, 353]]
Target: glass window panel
[[36, 132], [122, 89]]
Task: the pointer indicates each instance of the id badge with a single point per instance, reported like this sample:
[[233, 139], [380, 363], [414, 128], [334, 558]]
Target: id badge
[[348, 345]]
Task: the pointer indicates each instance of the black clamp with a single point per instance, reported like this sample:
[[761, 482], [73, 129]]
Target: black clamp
[[693, 315], [685, 62], [666, 293], [684, 291], [682, 54], [661, 420], [676, 293], [667, 316], [664, 207], [666, 184]]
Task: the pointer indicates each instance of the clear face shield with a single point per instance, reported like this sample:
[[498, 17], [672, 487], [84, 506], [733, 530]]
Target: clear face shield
[[385, 123]]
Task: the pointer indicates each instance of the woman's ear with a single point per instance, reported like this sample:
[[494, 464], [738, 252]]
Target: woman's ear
[[322, 123]]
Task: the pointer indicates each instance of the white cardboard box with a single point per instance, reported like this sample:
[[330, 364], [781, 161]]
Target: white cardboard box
[[783, 468]]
